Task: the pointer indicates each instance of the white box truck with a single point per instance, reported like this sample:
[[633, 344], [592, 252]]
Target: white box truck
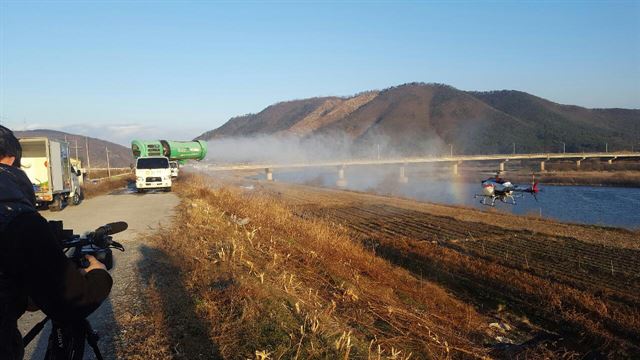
[[48, 166], [153, 172]]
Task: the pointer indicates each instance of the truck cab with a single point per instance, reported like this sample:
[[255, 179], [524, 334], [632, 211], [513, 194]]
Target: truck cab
[[153, 172]]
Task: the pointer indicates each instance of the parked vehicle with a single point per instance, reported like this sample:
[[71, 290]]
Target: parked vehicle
[[80, 172], [77, 194], [175, 169], [153, 172], [47, 165]]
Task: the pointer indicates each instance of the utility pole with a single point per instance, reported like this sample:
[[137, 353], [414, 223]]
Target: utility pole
[[606, 147], [76, 147], [108, 166], [564, 147], [514, 148], [451, 151], [378, 151], [87, 147]]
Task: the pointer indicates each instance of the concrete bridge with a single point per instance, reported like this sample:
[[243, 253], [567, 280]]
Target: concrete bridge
[[455, 162]]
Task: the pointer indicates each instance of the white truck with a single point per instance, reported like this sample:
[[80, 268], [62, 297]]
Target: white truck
[[175, 169], [153, 172], [47, 164]]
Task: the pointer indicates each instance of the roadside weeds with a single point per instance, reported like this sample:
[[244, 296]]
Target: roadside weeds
[[241, 276], [105, 186]]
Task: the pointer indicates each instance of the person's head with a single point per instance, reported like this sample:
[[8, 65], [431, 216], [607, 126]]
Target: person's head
[[10, 149]]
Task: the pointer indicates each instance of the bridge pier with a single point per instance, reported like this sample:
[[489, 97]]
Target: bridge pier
[[610, 161], [402, 179], [578, 162], [542, 166], [269, 174], [502, 163], [454, 169], [342, 181]]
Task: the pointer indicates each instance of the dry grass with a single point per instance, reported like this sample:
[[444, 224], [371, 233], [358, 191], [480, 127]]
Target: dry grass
[[281, 286], [100, 174], [105, 186], [594, 314], [593, 320]]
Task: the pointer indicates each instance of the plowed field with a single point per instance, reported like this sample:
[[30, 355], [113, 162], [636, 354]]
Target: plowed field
[[562, 258]]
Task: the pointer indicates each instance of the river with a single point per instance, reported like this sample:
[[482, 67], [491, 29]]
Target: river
[[597, 205]]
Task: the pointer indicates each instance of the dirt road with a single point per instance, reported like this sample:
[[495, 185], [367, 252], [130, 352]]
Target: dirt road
[[144, 214]]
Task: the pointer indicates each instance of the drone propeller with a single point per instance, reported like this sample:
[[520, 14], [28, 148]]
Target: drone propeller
[[496, 175], [535, 196], [534, 188]]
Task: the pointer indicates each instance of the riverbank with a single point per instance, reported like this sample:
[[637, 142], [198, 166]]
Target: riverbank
[[276, 270], [597, 205], [590, 178]]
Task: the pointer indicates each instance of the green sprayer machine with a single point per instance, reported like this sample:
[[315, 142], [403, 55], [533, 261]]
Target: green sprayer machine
[[157, 161], [173, 150]]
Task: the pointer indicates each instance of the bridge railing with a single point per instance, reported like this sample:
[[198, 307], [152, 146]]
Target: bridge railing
[[423, 159]]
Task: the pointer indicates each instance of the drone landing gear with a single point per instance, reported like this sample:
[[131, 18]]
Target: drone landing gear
[[506, 200], [483, 200]]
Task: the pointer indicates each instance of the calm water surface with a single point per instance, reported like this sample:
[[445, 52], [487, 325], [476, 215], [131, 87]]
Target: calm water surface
[[609, 206]]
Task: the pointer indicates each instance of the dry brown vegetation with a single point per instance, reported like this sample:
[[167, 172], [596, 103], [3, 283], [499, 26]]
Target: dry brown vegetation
[[419, 119], [100, 174], [598, 178], [591, 320], [281, 286], [585, 291], [105, 186], [288, 272]]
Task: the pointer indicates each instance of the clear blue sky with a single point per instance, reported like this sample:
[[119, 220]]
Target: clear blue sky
[[174, 69]]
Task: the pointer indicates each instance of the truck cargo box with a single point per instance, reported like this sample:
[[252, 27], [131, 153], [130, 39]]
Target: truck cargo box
[[46, 163]]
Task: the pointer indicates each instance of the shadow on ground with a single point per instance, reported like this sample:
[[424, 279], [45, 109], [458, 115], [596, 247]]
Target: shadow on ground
[[188, 335]]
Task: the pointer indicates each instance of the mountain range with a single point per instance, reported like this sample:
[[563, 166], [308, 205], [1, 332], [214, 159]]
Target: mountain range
[[419, 118], [119, 156]]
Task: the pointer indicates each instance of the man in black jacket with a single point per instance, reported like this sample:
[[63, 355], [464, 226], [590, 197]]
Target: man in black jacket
[[32, 263]]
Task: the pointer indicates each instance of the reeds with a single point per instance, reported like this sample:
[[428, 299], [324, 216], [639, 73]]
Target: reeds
[[283, 287], [105, 186]]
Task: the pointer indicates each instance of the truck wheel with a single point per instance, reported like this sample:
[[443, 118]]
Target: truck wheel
[[77, 199], [56, 204], [168, 189], [140, 191]]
